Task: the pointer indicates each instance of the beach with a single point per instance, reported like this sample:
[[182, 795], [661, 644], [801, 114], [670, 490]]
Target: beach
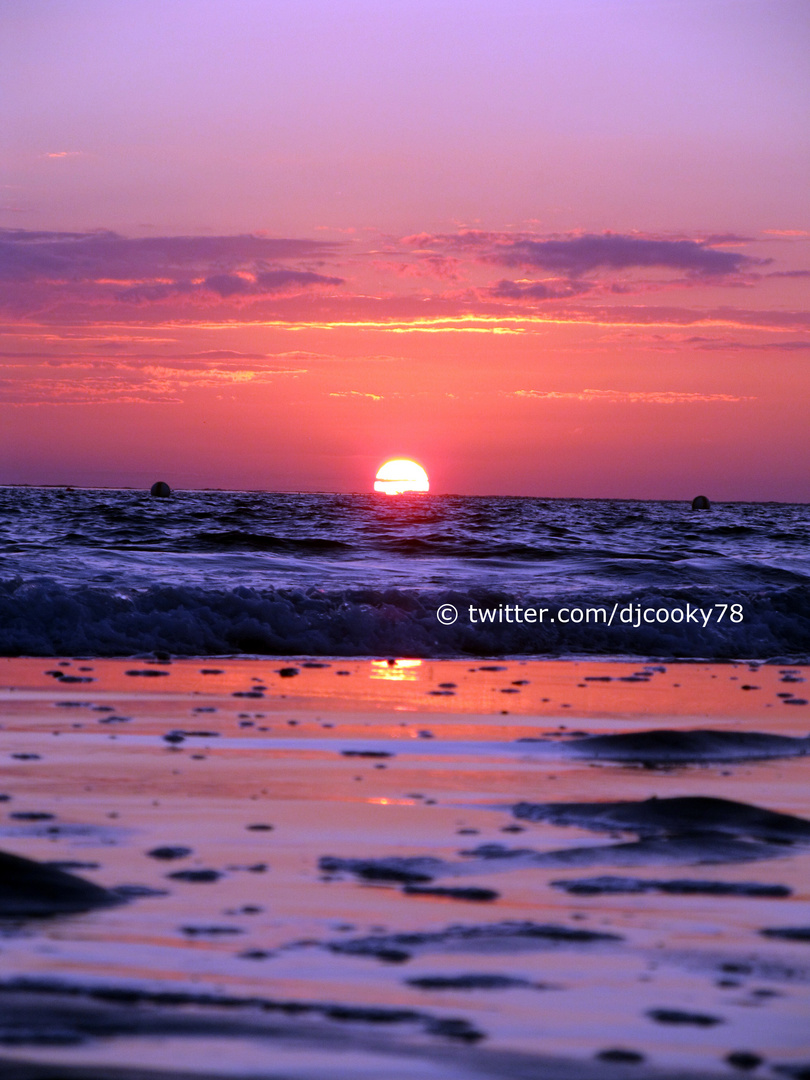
[[329, 867]]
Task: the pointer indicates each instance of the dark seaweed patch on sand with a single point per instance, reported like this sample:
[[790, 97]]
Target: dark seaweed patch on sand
[[76, 1013], [168, 853], [687, 830], [793, 1070], [788, 933], [29, 889], [473, 981], [618, 1055], [367, 753], [685, 849], [507, 936], [210, 931], [608, 884], [417, 868], [678, 1016], [684, 815], [662, 747], [471, 893], [196, 876]]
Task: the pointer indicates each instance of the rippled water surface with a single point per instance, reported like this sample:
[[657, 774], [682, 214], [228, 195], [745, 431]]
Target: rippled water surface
[[228, 572]]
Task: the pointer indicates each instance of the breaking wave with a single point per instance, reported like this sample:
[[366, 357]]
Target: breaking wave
[[47, 618]]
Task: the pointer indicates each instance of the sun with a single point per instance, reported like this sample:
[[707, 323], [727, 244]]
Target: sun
[[399, 475]]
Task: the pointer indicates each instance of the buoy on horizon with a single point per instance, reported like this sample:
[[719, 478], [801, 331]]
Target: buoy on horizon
[[700, 502], [160, 490]]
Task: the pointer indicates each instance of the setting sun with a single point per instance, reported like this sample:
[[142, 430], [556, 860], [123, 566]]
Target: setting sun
[[400, 475]]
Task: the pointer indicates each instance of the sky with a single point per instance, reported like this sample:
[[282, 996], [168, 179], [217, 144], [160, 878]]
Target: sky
[[556, 248]]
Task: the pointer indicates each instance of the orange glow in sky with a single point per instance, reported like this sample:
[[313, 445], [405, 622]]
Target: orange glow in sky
[[274, 279]]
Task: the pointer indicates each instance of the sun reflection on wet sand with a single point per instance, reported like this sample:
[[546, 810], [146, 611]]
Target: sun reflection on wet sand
[[395, 670]]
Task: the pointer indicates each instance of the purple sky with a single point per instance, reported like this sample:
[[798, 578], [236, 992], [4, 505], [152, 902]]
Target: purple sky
[[554, 228]]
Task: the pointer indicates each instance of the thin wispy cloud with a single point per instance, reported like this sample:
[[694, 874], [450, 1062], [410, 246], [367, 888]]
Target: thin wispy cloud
[[701, 343], [630, 397], [538, 290]]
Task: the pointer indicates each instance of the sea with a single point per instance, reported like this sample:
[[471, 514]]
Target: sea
[[234, 573]]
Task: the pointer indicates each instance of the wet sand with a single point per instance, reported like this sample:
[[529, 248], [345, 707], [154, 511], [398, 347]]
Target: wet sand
[[405, 869]]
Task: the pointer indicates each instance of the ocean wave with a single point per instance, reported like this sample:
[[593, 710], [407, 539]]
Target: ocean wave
[[250, 541], [45, 618], [450, 547]]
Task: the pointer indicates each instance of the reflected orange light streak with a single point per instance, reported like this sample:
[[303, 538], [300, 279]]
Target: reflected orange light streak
[[392, 802], [399, 671]]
